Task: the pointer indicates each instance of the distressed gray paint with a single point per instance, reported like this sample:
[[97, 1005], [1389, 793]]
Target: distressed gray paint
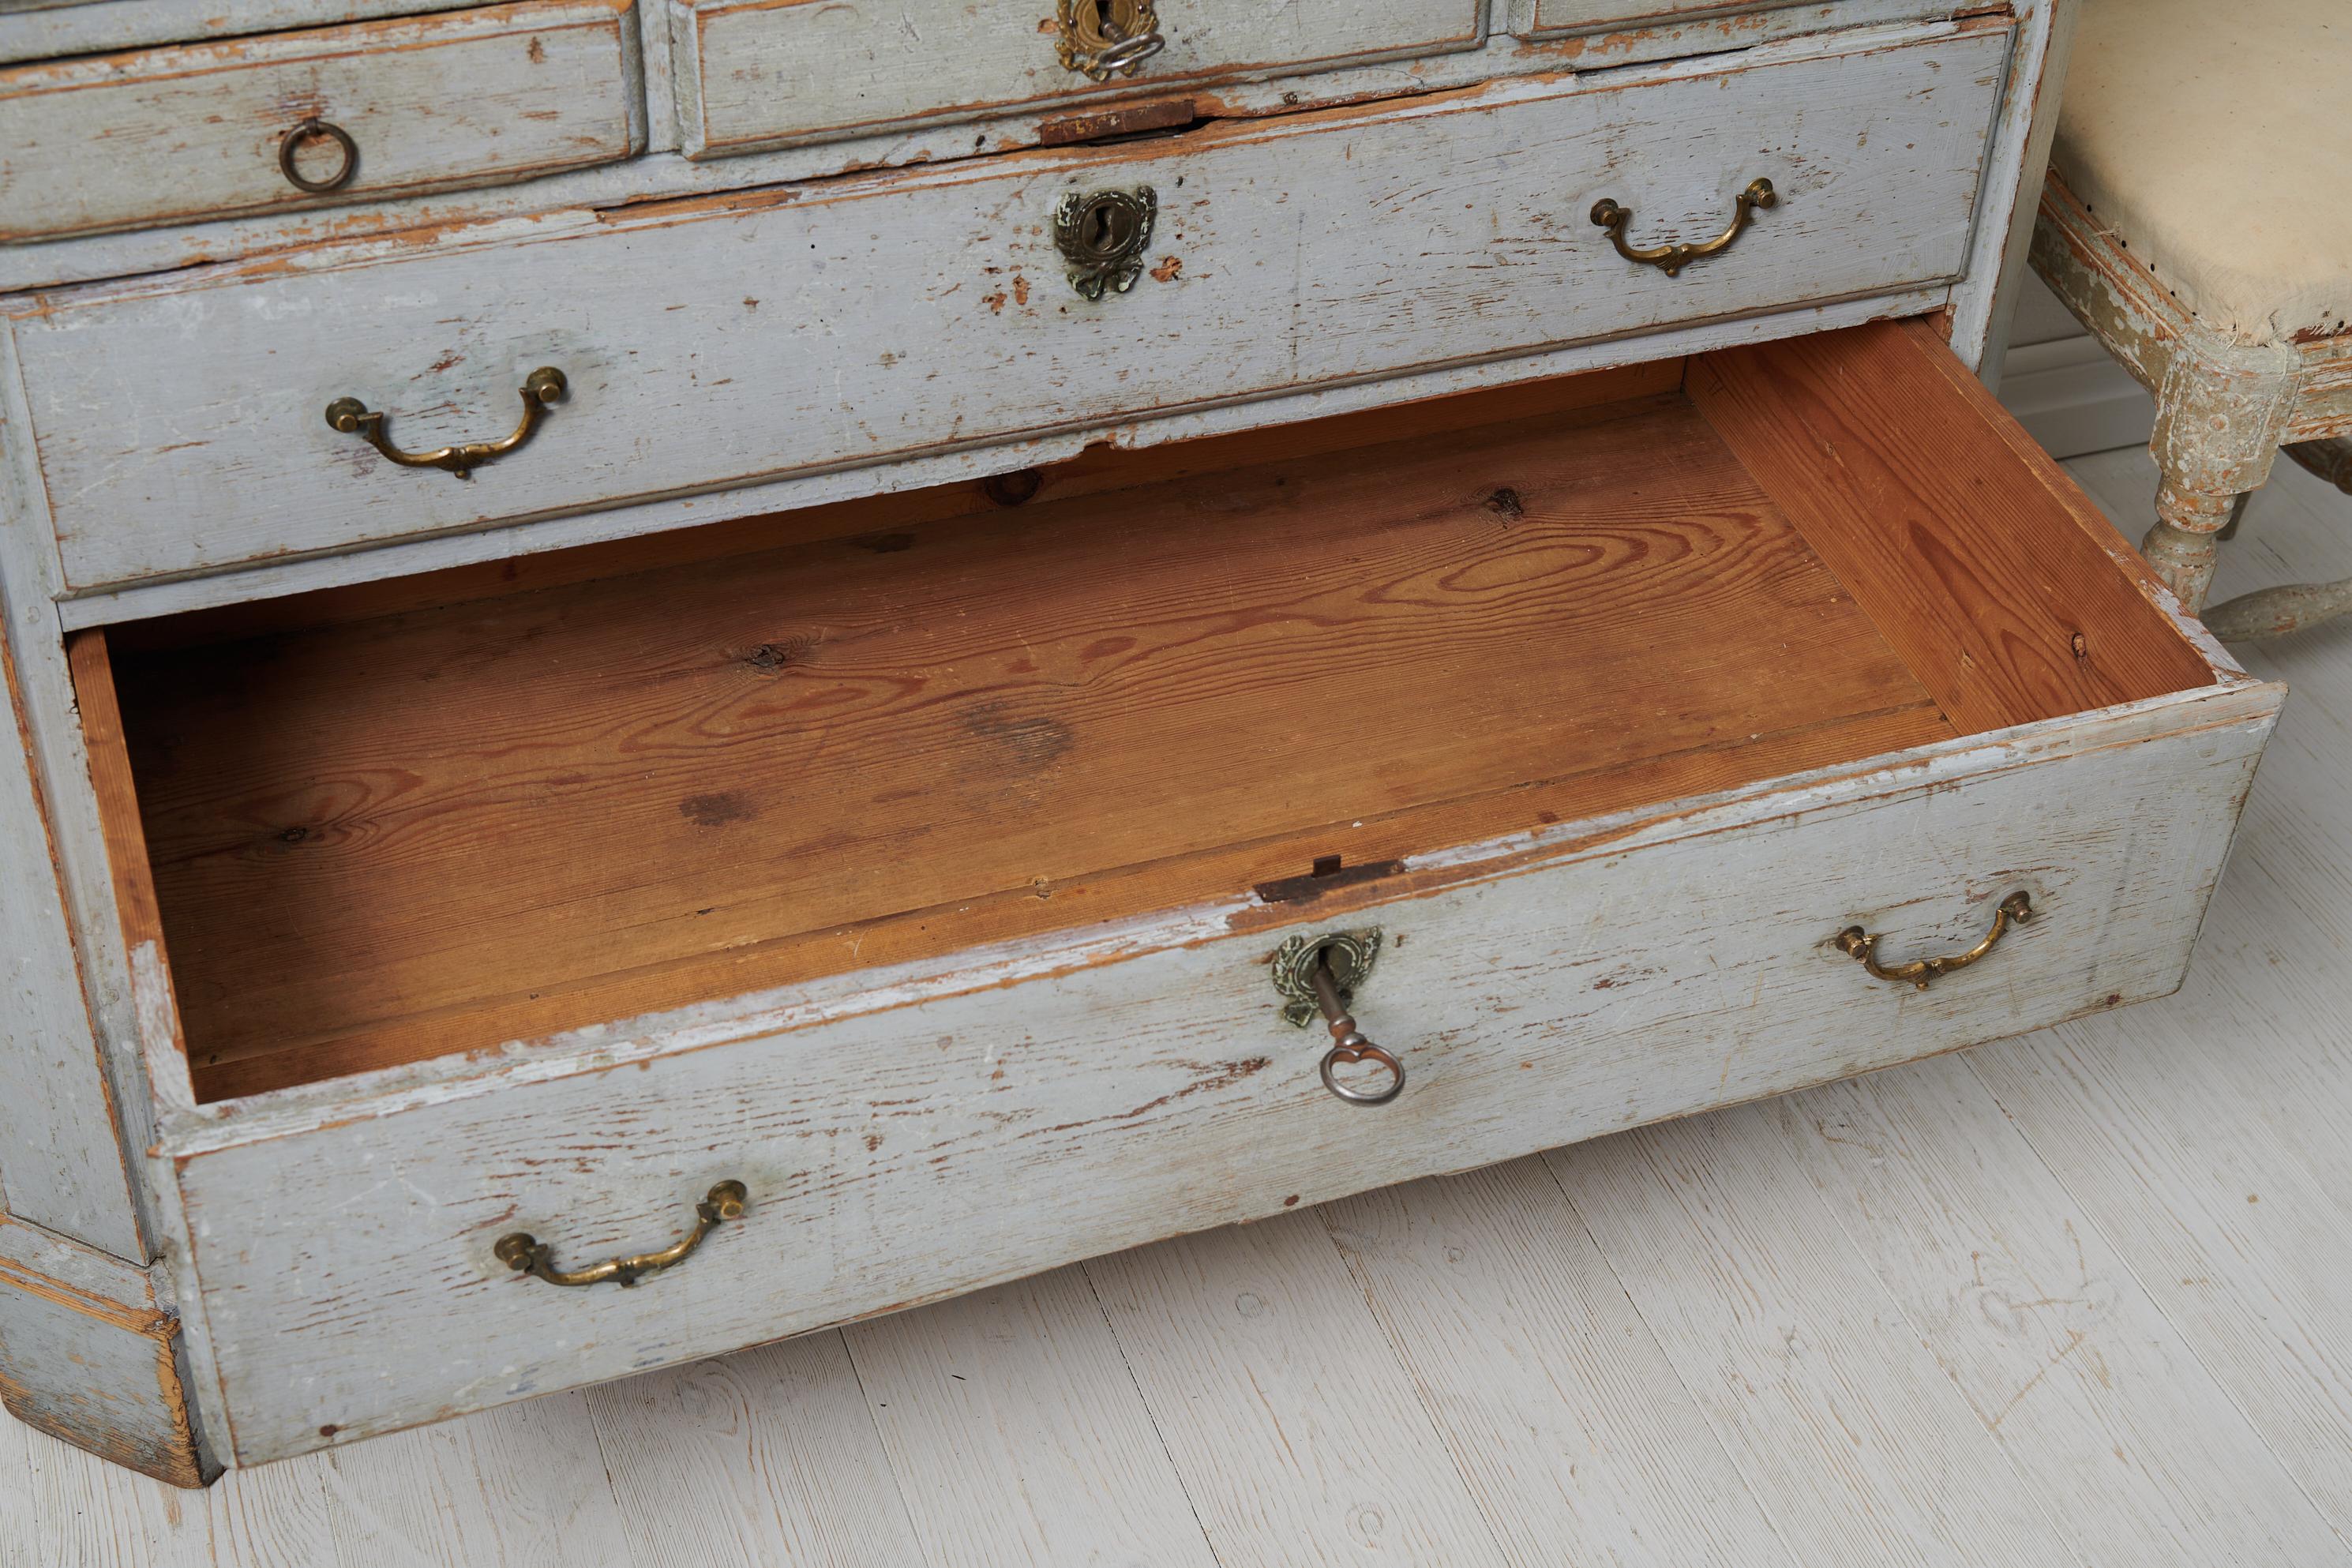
[[913, 1134]]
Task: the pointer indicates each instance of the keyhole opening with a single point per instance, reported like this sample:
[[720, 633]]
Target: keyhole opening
[[1105, 23], [1107, 228]]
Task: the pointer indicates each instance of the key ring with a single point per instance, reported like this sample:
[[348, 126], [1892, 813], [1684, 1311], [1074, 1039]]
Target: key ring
[[1349, 1045]]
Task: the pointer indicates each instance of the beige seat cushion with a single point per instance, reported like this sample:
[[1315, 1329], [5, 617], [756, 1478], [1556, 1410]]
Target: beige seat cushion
[[2214, 138]]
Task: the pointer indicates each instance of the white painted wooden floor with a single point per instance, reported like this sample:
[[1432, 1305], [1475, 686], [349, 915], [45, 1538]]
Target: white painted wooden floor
[[2084, 1298]]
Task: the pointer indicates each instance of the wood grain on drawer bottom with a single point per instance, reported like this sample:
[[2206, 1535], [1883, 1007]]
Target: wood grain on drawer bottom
[[537, 806], [694, 775], [901, 1142]]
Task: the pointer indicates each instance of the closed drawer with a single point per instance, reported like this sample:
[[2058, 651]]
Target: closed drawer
[[768, 73], [339, 114], [1695, 24], [927, 862], [719, 343]]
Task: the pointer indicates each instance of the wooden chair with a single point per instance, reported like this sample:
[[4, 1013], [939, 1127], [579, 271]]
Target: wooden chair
[[2194, 220]]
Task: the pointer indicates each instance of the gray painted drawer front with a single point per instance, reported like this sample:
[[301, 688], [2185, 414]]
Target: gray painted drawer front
[[196, 131], [179, 425], [1693, 21], [775, 72], [910, 1135]]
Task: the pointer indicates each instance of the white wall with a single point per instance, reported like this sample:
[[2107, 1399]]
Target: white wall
[[2063, 386]]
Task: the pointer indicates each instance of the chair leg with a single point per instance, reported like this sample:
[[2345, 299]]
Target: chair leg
[[2185, 542], [2275, 612], [2294, 606], [2330, 459], [2237, 515]]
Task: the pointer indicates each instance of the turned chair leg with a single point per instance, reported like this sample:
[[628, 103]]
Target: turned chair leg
[[2275, 612], [2186, 539], [2330, 459], [2237, 515]]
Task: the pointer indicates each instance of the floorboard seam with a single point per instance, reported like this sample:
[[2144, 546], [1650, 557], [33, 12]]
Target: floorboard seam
[[1093, 1293], [1789, 1550]]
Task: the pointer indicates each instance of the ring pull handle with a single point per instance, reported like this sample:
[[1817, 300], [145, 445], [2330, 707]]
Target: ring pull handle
[[1102, 38], [525, 1254], [1348, 1046], [317, 129], [1669, 258], [1863, 947], [541, 387]]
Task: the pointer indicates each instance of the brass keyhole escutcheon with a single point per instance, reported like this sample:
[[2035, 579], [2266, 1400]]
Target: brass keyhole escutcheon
[[1102, 235], [1102, 38]]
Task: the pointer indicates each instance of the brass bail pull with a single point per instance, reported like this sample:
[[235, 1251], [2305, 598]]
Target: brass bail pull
[[1348, 1045], [525, 1254], [540, 388], [1863, 947], [1669, 258]]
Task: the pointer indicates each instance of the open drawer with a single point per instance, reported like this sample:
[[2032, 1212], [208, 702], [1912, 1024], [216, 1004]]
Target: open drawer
[[928, 865]]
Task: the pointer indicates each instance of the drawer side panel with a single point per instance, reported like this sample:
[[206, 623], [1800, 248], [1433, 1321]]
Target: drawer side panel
[[61, 1164], [905, 1154], [710, 345]]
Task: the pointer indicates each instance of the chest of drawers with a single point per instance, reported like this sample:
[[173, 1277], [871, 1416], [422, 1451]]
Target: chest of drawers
[[856, 658]]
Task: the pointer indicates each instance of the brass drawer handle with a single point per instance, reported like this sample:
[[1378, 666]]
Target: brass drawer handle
[[1315, 975], [1860, 945], [541, 387], [316, 128], [1669, 258], [525, 1254], [1103, 37]]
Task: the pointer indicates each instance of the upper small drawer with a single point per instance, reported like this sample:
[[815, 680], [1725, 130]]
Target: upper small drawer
[[338, 114], [769, 73], [1735, 23]]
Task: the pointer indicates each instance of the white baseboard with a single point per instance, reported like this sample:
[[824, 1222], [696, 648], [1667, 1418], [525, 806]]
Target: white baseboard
[[2074, 399]]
